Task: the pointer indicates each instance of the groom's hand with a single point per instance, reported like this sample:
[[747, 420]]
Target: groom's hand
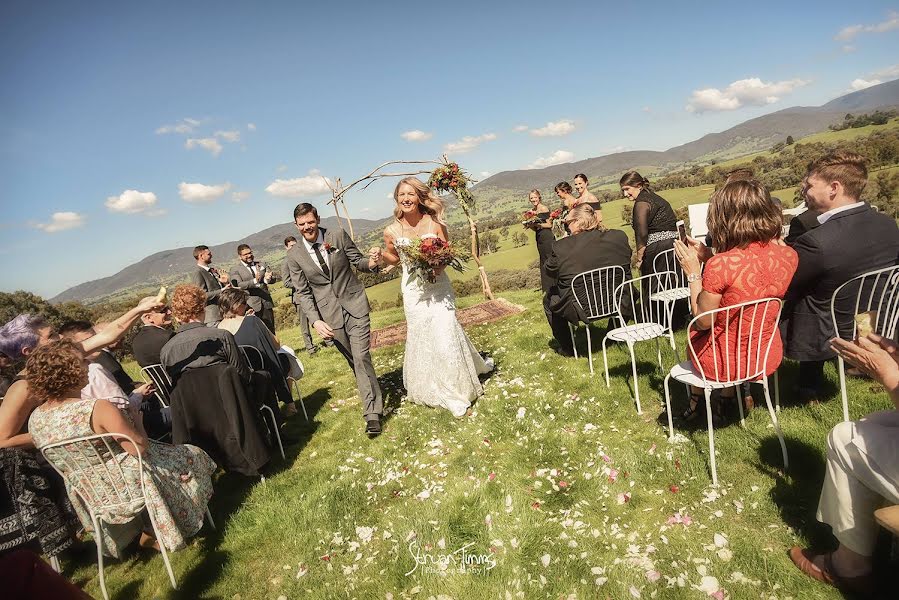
[[323, 329], [374, 257]]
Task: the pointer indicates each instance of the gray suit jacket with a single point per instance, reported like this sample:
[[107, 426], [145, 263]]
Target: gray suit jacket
[[209, 284], [327, 298], [241, 277]]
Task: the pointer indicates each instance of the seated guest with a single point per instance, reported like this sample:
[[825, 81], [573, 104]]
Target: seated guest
[[140, 404], [195, 345], [851, 239], [590, 246], [248, 330], [751, 263], [156, 330], [862, 473], [180, 484]]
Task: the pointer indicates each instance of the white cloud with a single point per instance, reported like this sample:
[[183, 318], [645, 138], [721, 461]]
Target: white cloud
[[860, 84], [468, 143], [210, 144], [251, 126], [182, 126], [646, 109], [848, 48], [554, 129], [133, 202], [848, 33], [485, 174], [240, 196], [312, 184], [416, 135], [744, 92], [281, 168], [887, 73], [556, 158], [229, 136], [520, 128], [61, 221], [198, 192]]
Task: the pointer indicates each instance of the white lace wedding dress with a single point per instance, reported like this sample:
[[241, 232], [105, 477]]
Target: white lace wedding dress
[[441, 365]]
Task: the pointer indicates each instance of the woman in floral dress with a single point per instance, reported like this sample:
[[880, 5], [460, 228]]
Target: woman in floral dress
[[177, 479]]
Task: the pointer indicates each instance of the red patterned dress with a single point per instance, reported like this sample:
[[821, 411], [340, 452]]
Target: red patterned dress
[[742, 275]]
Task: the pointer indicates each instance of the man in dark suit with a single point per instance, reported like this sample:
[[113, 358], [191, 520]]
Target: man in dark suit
[[253, 277], [210, 280], [290, 242], [335, 302], [155, 332], [588, 247], [850, 239]]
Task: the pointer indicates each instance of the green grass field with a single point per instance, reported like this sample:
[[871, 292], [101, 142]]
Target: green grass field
[[554, 478]]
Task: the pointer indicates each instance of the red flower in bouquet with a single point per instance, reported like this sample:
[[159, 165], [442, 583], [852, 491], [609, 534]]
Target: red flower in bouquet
[[430, 254]]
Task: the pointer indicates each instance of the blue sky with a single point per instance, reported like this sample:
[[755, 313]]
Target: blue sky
[[148, 126]]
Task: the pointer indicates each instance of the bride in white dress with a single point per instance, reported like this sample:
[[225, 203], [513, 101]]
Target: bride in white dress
[[441, 365]]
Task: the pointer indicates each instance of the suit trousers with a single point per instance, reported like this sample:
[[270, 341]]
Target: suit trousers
[[305, 329], [267, 316], [354, 342], [861, 473]]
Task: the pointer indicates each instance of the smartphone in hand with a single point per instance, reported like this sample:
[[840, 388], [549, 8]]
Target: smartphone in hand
[[682, 231]]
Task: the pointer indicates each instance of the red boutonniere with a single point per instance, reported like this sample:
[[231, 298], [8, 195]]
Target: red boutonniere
[[329, 248]]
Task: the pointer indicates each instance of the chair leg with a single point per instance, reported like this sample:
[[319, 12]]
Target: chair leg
[[708, 416], [274, 429], [54, 564], [296, 388], [573, 343], [630, 347], [776, 392], [605, 361], [739, 390], [668, 408], [780, 435], [165, 554], [659, 353], [589, 349], [98, 539], [842, 369], [209, 518]]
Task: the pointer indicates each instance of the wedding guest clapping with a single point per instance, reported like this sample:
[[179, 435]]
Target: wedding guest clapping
[[255, 277], [211, 281], [751, 263], [590, 246], [653, 220]]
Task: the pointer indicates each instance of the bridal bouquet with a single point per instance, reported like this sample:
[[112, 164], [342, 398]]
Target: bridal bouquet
[[428, 254]]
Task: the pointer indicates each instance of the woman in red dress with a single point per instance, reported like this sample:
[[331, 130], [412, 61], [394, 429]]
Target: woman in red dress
[[751, 262]]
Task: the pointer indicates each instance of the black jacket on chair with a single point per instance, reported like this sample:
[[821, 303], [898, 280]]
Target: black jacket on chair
[[575, 254], [848, 244], [211, 410]]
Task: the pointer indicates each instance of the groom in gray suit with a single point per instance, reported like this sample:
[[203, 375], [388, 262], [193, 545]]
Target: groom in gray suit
[[335, 302]]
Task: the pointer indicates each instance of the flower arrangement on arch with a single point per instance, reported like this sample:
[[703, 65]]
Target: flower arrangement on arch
[[451, 178], [428, 254]]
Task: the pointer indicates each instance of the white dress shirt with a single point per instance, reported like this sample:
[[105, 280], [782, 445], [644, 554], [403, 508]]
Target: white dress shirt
[[320, 240], [825, 216]]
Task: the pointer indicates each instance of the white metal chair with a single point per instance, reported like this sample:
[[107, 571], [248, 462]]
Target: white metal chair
[[594, 292], [745, 323], [872, 291], [99, 481], [671, 286], [156, 374], [254, 358], [650, 322]]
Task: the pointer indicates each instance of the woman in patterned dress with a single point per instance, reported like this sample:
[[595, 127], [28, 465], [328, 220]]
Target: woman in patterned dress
[[178, 482], [751, 262]]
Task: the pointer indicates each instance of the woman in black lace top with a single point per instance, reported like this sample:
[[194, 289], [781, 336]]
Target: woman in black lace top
[[653, 219]]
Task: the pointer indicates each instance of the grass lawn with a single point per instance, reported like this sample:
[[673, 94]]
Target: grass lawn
[[554, 478]]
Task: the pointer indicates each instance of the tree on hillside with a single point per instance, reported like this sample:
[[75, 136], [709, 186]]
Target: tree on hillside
[[21, 302], [519, 239], [489, 242]]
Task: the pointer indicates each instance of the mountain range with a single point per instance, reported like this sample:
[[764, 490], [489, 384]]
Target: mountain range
[[171, 266]]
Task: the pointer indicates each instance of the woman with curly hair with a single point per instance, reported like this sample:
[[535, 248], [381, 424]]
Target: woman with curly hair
[[178, 479]]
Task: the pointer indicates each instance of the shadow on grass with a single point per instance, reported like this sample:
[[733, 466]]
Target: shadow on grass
[[796, 493]]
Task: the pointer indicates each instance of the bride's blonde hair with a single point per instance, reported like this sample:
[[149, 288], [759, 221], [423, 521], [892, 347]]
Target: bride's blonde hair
[[428, 202]]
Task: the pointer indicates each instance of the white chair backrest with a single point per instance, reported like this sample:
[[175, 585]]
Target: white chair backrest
[[670, 273], [594, 290], [89, 466], [157, 375], [876, 290], [254, 357], [745, 323], [642, 309]]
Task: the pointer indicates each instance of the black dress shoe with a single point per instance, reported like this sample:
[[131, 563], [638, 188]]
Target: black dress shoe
[[312, 350], [564, 352], [373, 427]]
